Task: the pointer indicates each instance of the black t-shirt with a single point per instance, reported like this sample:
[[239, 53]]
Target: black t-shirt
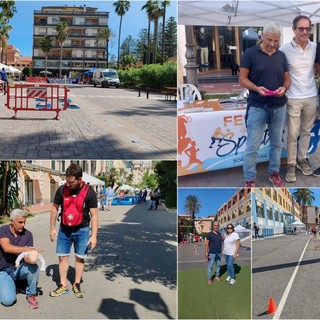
[[23, 239], [267, 71], [89, 202], [215, 242]]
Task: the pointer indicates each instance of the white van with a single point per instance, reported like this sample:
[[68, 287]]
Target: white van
[[105, 78]]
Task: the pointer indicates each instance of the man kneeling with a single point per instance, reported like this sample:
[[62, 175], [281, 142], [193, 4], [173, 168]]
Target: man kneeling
[[14, 240]]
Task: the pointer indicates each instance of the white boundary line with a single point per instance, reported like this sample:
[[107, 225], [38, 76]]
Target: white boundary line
[[288, 288]]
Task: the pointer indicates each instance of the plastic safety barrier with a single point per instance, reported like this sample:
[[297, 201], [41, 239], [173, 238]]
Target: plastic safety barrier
[[37, 97]]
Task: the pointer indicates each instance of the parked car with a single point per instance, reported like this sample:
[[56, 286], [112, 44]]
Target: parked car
[[105, 78]]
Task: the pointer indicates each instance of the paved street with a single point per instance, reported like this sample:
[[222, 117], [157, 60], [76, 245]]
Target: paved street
[[275, 274], [130, 275], [107, 123]]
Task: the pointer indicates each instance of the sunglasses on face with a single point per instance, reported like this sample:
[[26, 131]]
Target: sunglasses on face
[[229, 228], [301, 29]]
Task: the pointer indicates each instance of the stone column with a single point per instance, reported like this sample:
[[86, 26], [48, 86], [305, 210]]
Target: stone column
[[191, 66]]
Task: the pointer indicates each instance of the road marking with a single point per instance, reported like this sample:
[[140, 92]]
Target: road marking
[[288, 288]]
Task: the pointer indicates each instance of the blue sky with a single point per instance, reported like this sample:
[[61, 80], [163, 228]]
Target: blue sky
[[210, 199], [132, 22]]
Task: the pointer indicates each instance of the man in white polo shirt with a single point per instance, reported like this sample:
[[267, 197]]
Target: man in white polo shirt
[[302, 96]]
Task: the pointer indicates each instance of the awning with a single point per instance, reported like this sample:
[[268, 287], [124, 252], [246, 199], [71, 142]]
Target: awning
[[55, 178], [33, 175], [245, 13]]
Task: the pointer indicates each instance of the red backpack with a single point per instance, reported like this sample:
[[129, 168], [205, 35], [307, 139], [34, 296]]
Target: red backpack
[[72, 212]]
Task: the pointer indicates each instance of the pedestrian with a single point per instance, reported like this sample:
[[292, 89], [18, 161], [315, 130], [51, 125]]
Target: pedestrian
[[264, 72], [110, 197], [256, 231], [152, 201], [302, 97], [78, 207], [4, 78], [14, 240], [101, 198], [231, 246], [213, 250], [144, 195]]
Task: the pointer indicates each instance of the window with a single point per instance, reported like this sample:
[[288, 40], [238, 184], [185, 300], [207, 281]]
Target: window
[[29, 191]]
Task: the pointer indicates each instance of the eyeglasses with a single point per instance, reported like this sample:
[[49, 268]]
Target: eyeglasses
[[229, 228], [301, 29]]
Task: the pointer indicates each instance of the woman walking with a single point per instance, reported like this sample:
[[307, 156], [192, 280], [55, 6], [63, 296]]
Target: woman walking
[[231, 248]]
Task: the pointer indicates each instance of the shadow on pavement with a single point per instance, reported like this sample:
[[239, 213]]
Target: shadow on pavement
[[284, 265], [150, 300], [113, 309], [53, 272], [130, 249]]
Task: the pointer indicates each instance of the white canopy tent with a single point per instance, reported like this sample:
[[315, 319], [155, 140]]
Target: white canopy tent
[[240, 229], [89, 179], [298, 223], [126, 187], [245, 13]]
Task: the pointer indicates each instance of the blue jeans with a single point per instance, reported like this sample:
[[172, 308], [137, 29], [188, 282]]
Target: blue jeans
[[214, 258], [256, 124], [69, 236], [230, 268], [8, 287]]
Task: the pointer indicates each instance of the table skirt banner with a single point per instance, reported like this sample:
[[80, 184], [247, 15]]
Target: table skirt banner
[[217, 140]]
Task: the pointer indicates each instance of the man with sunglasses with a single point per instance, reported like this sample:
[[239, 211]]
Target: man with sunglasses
[[302, 97], [213, 250]]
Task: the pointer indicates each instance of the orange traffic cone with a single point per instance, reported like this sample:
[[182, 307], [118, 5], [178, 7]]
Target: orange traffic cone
[[272, 308]]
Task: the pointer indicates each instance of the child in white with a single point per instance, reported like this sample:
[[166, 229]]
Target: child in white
[[31, 257], [231, 247]]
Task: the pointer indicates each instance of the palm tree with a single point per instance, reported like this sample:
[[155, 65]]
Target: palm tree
[[157, 13], [149, 8], [304, 197], [46, 46], [164, 7], [63, 33], [121, 7], [192, 206], [9, 171], [106, 35], [4, 36], [8, 10]]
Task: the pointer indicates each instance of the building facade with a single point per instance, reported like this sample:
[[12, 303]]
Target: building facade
[[81, 51], [273, 210], [237, 210]]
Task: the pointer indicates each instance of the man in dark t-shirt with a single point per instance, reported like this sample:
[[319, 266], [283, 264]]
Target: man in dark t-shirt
[[78, 235], [213, 250], [264, 72], [15, 239]]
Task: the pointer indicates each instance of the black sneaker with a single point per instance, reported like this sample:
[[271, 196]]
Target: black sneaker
[[316, 172], [77, 291]]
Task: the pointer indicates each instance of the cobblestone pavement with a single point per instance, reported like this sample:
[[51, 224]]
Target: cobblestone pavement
[[131, 274], [109, 124]]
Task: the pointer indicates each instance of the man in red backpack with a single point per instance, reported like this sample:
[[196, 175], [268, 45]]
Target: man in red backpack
[[78, 203]]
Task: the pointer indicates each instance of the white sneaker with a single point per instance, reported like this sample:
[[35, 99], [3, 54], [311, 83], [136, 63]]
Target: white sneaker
[[232, 281], [228, 278]]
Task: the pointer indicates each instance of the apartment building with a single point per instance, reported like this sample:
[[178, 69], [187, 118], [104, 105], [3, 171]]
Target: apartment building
[[273, 210], [80, 50], [237, 210]]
